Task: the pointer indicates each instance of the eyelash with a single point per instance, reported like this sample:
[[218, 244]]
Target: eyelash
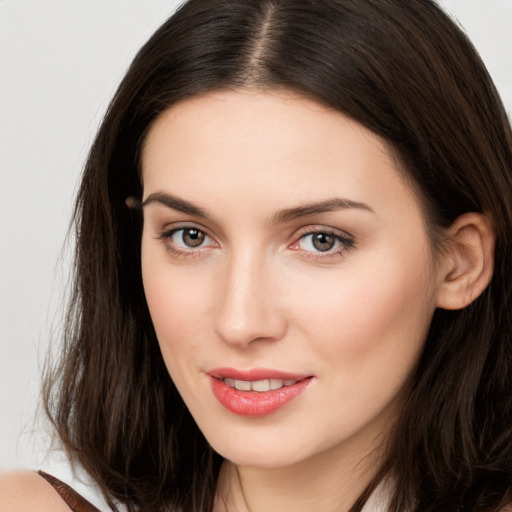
[[166, 237], [343, 243]]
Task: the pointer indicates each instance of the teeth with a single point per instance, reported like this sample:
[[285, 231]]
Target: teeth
[[242, 385], [276, 383], [229, 382], [260, 386]]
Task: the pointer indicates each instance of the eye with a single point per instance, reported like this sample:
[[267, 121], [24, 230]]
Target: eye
[[189, 238], [322, 243], [186, 241], [317, 241]]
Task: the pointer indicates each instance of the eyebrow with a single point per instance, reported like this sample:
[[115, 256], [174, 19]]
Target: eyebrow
[[287, 215], [330, 205], [175, 203]]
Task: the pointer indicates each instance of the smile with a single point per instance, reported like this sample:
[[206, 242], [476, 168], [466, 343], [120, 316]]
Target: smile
[[260, 386], [257, 392]]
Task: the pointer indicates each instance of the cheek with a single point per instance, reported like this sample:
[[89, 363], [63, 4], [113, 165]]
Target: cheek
[[173, 306], [178, 302], [364, 316]]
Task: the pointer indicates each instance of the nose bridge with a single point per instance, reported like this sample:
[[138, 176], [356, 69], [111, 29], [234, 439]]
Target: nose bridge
[[247, 306]]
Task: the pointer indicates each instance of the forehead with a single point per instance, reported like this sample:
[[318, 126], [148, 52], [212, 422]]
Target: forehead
[[274, 147]]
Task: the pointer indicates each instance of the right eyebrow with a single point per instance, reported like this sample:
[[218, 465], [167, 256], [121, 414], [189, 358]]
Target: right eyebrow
[[329, 205], [175, 203]]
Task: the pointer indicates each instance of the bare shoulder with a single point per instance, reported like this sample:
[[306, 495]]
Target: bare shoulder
[[24, 491]]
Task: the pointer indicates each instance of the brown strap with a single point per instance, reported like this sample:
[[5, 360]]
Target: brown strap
[[72, 499]]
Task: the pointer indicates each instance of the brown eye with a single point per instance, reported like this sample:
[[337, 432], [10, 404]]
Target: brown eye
[[323, 241], [187, 242], [192, 237]]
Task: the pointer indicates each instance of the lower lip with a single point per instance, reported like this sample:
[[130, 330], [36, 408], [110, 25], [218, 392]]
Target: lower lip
[[252, 403]]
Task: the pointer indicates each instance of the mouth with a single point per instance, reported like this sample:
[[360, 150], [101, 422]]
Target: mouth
[[257, 392], [259, 386]]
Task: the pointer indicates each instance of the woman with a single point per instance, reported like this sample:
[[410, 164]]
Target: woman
[[301, 212]]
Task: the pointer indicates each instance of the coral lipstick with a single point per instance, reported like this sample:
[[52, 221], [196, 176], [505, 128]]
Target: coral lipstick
[[256, 392]]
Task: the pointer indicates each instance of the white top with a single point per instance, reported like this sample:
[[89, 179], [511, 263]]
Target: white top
[[379, 500]]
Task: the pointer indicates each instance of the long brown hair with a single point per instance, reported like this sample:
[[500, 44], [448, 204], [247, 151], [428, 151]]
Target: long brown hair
[[405, 71]]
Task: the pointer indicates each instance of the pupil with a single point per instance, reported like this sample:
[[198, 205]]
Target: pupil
[[193, 237], [323, 241]]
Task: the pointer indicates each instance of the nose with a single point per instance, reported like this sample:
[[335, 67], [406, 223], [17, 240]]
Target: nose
[[248, 306]]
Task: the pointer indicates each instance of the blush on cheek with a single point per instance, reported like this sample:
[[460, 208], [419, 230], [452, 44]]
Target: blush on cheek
[[364, 315], [173, 296], [180, 323]]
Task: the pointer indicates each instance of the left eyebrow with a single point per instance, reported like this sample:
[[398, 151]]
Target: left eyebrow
[[330, 205], [175, 203]]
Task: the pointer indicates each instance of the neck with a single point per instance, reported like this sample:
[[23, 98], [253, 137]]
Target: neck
[[330, 481]]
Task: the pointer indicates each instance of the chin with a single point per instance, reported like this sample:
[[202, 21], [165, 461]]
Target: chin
[[261, 459], [260, 449]]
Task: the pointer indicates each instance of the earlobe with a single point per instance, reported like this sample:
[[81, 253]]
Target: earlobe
[[467, 262]]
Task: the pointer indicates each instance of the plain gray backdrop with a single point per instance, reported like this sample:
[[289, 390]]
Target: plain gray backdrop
[[60, 62]]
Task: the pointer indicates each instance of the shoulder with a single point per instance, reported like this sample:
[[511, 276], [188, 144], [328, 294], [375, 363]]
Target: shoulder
[[24, 491]]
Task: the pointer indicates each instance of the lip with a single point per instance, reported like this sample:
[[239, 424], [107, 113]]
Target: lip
[[255, 374], [253, 403]]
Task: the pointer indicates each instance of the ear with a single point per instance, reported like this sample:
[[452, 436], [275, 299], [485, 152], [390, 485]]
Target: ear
[[467, 261]]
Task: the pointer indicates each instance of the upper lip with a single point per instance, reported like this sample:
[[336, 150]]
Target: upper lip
[[255, 374]]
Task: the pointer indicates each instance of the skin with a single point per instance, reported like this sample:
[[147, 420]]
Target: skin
[[257, 294], [24, 491]]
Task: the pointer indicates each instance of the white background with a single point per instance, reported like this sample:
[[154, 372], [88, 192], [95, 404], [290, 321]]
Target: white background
[[60, 62]]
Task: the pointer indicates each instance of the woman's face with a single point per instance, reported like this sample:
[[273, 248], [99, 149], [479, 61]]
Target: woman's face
[[288, 274]]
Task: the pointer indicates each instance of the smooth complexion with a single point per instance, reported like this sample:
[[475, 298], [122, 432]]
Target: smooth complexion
[[279, 236]]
